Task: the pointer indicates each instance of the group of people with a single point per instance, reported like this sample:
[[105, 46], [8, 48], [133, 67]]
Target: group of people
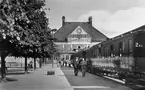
[[80, 65], [62, 62]]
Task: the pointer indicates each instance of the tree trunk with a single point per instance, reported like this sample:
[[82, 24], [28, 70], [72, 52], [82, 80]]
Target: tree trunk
[[40, 63], [26, 64], [42, 55], [34, 62], [3, 68], [43, 60], [34, 58]]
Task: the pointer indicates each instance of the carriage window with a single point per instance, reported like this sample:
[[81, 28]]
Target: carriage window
[[120, 48], [103, 51], [123, 47], [112, 50], [93, 52], [129, 46], [107, 51], [99, 51]]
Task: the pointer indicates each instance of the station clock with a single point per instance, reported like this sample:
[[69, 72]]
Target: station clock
[[79, 30]]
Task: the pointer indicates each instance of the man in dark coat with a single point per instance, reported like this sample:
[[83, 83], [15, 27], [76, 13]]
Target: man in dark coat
[[75, 65]]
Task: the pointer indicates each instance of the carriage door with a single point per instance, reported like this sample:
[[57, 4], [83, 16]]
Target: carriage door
[[139, 51]]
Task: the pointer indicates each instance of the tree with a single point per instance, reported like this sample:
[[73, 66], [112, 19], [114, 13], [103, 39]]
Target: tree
[[8, 34], [24, 26]]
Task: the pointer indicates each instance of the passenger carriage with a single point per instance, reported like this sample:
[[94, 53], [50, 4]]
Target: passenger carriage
[[121, 57]]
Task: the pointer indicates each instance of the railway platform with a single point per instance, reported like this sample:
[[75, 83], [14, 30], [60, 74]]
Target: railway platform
[[37, 80]]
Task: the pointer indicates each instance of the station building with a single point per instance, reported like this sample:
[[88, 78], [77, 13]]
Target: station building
[[74, 36]]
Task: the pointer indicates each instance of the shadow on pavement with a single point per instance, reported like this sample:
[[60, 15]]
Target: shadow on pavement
[[18, 73], [11, 79], [8, 79]]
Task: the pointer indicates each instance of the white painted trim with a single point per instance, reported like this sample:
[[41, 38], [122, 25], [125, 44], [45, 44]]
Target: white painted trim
[[82, 30]]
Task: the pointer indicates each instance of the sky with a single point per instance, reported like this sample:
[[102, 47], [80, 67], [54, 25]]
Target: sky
[[111, 17]]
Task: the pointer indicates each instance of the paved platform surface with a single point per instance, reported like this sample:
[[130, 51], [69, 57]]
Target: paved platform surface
[[91, 82], [37, 80]]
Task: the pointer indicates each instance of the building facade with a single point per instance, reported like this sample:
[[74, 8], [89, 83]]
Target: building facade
[[74, 36]]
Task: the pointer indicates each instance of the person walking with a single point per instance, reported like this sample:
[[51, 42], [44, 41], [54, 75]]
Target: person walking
[[59, 63], [83, 67], [75, 66]]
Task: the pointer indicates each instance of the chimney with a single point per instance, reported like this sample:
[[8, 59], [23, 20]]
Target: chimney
[[90, 20], [63, 20]]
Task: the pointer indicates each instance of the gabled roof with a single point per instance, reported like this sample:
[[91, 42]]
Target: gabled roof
[[69, 27]]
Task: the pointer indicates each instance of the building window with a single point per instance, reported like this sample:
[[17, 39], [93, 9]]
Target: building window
[[79, 47]]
